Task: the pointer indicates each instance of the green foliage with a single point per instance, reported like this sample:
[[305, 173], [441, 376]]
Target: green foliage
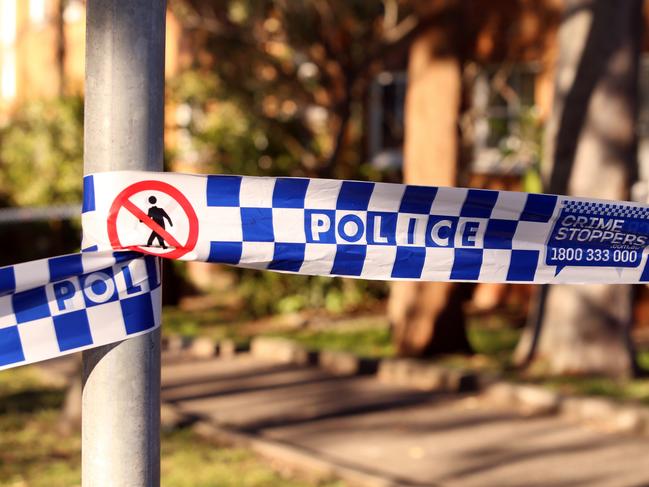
[[220, 135], [531, 133], [532, 182], [269, 292], [225, 138], [41, 153], [643, 359], [216, 323], [496, 341], [300, 71]]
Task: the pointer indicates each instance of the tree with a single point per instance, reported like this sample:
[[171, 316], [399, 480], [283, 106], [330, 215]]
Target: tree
[[427, 318], [45, 137], [301, 69], [591, 149], [281, 62], [59, 21]]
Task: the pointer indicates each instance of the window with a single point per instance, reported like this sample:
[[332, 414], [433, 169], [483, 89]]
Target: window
[[386, 120], [503, 122]]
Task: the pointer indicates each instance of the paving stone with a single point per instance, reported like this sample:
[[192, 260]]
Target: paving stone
[[227, 348], [170, 418], [280, 350], [535, 400], [424, 376], [500, 394], [339, 363], [202, 347], [176, 344], [630, 420]]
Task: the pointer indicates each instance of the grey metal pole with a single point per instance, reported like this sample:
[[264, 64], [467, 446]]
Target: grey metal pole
[[124, 121]]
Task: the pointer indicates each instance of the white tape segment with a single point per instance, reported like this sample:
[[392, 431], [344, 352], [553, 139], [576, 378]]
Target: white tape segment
[[368, 230], [52, 307]]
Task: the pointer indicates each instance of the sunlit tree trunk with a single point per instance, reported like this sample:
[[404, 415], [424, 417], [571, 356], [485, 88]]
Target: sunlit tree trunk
[[60, 44], [591, 150], [427, 317]]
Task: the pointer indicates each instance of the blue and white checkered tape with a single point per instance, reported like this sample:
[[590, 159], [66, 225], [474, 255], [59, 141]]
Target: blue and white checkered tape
[[52, 307], [368, 230], [358, 229]]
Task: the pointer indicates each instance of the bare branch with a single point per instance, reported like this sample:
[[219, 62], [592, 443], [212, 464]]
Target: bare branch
[[401, 30], [391, 15]]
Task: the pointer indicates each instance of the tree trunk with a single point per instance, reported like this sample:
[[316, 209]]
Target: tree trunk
[[60, 45], [591, 144], [427, 317]]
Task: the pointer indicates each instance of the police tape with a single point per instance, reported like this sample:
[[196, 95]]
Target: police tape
[[368, 230], [111, 291], [52, 307]]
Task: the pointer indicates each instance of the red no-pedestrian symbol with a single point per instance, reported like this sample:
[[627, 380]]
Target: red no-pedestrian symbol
[[126, 218]]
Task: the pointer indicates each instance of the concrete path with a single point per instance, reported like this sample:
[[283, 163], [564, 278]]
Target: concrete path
[[394, 436]]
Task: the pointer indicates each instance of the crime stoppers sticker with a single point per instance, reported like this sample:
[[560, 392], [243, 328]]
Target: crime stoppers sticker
[[593, 234]]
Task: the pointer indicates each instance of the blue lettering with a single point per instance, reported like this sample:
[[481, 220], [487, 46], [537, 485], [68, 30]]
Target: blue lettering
[[440, 231], [130, 287], [63, 291], [346, 223], [98, 287], [469, 234], [381, 228], [318, 226], [412, 225]]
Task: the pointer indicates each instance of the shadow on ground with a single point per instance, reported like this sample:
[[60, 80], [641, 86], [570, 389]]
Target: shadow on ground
[[406, 436]]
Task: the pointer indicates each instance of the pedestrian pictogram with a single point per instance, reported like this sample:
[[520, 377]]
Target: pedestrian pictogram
[[158, 215], [138, 219]]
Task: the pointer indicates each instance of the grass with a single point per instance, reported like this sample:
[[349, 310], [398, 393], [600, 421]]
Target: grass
[[214, 322], [636, 390], [370, 337], [34, 454], [367, 337], [191, 462]]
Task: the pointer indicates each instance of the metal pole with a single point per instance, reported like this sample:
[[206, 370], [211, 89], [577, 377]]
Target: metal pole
[[124, 124]]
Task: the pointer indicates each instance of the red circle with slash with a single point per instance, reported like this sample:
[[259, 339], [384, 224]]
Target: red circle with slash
[[122, 201]]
